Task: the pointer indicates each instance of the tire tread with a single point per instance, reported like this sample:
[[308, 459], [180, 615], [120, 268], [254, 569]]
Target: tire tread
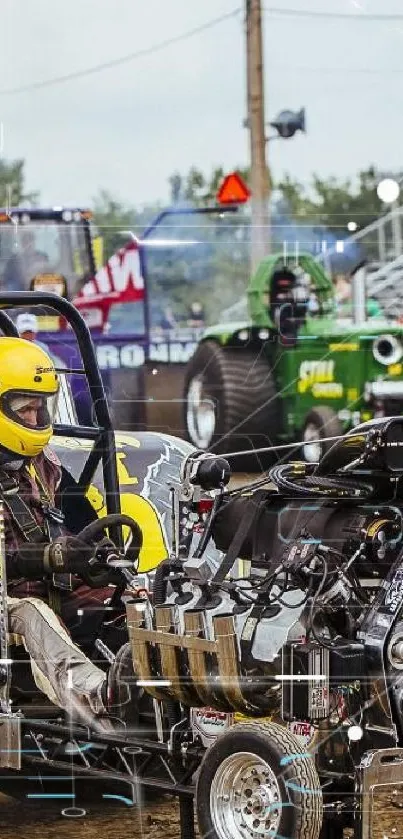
[[245, 390], [308, 810]]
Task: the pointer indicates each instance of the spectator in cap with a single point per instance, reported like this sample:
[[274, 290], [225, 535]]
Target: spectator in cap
[[27, 326]]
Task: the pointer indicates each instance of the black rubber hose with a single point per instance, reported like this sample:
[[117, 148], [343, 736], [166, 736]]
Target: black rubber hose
[[161, 582], [300, 481]]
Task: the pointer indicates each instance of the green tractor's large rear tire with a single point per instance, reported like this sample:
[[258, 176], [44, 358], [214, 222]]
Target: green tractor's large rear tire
[[230, 400], [321, 423]]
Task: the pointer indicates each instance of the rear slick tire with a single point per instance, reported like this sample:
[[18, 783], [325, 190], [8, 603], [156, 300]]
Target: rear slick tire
[[321, 422], [230, 400]]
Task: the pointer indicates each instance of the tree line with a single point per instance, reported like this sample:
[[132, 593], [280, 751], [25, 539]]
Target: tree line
[[327, 202], [217, 271]]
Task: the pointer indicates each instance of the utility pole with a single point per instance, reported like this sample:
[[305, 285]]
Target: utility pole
[[260, 183]]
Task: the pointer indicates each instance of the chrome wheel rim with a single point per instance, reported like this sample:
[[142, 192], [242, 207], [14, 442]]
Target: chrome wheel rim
[[312, 448], [200, 414], [245, 798]]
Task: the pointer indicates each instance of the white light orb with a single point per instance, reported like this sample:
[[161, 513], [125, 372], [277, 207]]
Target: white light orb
[[355, 733], [388, 190]]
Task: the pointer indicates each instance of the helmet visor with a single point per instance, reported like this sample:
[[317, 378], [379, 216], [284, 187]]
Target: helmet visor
[[30, 409]]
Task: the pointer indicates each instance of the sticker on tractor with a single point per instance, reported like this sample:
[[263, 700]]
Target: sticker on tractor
[[318, 377], [144, 473], [208, 723], [395, 369], [311, 372], [114, 357], [327, 390], [344, 347], [303, 730]]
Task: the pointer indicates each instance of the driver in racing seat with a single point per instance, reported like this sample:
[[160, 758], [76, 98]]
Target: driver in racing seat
[[41, 558]]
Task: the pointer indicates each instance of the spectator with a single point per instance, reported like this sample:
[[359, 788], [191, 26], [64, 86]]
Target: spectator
[[27, 326], [24, 263], [342, 289], [344, 298], [168, 321], [196, 317]]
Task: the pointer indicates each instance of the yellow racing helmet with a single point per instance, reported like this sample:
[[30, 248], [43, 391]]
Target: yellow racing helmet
[[29, 386]]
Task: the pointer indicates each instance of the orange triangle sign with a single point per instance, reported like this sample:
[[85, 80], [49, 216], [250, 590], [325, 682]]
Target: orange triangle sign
[[233, 190]]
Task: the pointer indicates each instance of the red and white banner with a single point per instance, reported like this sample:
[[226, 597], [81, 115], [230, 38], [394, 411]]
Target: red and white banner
[[121, 274]]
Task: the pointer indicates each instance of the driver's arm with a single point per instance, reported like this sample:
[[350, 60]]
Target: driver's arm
[[33, 560]]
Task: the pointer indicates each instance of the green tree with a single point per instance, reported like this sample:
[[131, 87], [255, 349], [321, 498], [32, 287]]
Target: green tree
[[112, 217], [12, 185], [176, 187], [333, 202]]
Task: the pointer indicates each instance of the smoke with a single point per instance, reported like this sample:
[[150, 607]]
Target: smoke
[[192, 257], [339, 253]]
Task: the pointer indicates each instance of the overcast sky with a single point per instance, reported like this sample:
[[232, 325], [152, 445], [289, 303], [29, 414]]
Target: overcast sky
[[127, 129]]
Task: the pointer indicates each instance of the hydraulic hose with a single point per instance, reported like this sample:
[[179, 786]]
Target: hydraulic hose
[[299, 479], [161, 582]]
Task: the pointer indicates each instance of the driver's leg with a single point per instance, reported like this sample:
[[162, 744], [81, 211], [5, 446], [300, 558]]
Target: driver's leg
[[60, 669], [86, 613]]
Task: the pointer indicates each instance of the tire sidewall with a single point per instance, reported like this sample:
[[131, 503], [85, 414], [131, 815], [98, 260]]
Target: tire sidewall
[[270, 753], [206, 361], [327, 423], [241, 384]]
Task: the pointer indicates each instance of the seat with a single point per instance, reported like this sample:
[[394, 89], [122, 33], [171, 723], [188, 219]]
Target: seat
[[286, 312]]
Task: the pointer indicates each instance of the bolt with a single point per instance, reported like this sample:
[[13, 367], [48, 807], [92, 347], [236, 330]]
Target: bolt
[[225, 797]]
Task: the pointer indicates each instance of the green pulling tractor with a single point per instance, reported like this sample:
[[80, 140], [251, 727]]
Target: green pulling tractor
[[301, 367]]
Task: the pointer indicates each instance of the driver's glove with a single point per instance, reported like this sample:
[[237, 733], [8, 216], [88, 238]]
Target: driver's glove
[[66, 554]]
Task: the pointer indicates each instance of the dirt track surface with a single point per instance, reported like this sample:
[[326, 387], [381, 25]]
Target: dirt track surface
[[36, 820]]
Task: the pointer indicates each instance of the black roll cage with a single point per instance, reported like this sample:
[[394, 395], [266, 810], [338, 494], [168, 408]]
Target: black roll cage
[[102, 432]]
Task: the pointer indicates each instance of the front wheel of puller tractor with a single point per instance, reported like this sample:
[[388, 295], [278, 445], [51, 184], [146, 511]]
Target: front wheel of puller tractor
[[321, 422], [230, 399], [256, 781]]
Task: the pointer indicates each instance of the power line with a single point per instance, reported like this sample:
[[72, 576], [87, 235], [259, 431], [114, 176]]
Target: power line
[[331, 15], [274, 11], [284, 68], [116, 62]]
